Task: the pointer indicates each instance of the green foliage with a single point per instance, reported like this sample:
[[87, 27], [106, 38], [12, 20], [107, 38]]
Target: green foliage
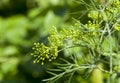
[[99, 36], [23, 22]]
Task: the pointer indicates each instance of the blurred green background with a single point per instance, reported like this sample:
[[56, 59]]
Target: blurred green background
[[23, 22]]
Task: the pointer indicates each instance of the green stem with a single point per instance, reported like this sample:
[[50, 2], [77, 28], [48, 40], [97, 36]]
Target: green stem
[[110, 45], [110, 38]]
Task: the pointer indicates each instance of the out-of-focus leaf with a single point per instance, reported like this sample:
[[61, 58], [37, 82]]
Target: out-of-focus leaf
[[50, 20], [55, 2], [73, 51], [14, 29], [10, 66], [10, 50], [37, 23], [106, 44], [34, 12], [1, 76], [4, 2], [43, 3]]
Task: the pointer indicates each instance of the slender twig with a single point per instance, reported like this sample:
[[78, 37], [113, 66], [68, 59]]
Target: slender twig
[[103, 70]]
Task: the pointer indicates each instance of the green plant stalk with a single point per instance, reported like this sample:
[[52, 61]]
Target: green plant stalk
[[110, 43]]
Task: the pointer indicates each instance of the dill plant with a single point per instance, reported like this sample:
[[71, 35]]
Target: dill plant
[[99, 36]]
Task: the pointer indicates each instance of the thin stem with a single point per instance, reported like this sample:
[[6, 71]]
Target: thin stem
[[110, 45], [103, 70], [110, 41]]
